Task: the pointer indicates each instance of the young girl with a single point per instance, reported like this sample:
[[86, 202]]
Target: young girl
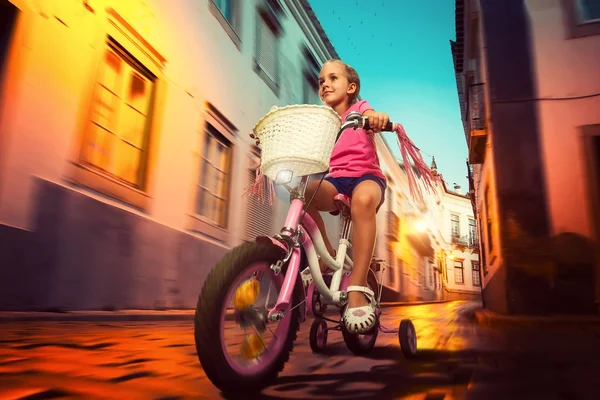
[[355, 172]]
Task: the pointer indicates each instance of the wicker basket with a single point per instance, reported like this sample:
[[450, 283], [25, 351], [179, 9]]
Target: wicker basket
[[299, 138]]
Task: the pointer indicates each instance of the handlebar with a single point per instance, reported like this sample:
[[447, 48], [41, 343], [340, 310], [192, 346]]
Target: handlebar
[[355, 120], [390, 127]]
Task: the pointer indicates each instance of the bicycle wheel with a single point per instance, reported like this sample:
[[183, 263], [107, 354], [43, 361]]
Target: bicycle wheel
[[235, 297]]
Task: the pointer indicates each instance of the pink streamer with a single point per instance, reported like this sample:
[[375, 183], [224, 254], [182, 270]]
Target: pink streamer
[[259, 189], [408, 148]]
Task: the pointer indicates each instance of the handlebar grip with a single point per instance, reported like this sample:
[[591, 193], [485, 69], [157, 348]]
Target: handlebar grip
[[390, 127]]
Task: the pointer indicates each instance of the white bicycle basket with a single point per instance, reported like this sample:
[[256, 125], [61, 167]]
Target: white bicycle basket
[[299, 138]]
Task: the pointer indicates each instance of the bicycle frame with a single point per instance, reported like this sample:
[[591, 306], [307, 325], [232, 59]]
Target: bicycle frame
[[307, 235], [300, 230]]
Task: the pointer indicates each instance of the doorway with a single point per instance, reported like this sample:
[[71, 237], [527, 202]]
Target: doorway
[[591, 145]]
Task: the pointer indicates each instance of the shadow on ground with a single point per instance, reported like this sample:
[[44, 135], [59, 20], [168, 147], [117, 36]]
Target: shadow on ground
[[394, 377]]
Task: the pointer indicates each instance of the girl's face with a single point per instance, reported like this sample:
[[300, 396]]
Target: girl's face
[[334, 88]]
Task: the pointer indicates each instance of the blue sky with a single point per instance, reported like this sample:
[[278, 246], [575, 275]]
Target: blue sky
[[401, 50]]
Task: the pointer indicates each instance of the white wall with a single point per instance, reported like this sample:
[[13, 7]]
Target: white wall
[[54, 68]]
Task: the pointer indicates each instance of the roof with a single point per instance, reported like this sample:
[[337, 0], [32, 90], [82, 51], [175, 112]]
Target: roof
[[458, 50], [322, 35], [458, 47]]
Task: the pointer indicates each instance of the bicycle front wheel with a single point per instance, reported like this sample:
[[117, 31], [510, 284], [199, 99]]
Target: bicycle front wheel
[[239, 349]]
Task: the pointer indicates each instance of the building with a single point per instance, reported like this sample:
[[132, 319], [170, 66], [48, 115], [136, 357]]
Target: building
[[124, 153], [459, 255], [529, 89], [431, 246]]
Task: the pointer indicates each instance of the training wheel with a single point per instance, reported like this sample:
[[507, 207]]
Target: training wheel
[[318, 335], [407, 336]]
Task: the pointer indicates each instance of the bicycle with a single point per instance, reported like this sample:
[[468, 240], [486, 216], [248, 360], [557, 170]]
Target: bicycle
[[237, 277]]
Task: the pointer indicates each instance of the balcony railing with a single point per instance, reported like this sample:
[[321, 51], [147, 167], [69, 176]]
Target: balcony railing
[[460, 240], [476, 123], [476, 108], [465, 241], [474, 242]]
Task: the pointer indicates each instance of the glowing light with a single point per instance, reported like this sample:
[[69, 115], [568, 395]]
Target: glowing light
[[283, 176], [420, 226]]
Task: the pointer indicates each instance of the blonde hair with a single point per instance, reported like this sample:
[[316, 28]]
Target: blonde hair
[[352, 76]]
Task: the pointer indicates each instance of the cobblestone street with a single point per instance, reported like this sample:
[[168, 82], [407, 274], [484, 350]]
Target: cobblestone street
[[157, 360]]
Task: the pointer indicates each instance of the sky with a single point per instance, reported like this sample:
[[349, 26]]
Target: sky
[[401, 51]]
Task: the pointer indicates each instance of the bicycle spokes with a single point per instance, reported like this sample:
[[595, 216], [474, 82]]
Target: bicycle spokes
[[249, 335]]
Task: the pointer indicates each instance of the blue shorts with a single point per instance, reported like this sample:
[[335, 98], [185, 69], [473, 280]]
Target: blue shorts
[[347, 185]]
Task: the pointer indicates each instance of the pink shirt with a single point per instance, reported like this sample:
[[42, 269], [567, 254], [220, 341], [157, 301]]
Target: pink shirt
[[355, 154]]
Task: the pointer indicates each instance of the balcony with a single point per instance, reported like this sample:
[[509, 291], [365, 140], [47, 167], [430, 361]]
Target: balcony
[[476, 123], [464, 242], [460, 241]]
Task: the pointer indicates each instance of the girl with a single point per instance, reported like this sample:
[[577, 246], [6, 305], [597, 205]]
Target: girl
[[355, 172]]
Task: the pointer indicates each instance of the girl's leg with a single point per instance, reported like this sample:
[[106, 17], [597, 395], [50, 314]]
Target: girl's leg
[[323, 201], [365, 199]]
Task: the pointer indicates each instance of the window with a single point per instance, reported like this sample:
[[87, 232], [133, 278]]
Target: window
[[459, 276], [227, 9], [310, 84], [482, 255], [454, 224], [421, 271], [268, 29], [115, 147], [392, 269], [430, 271], [489, 222], [581, 17], [228, 13], [213, 182], [475, 272], [472, 232], [310, 90], [445, 268], [116, 139], [588, 10], [399, 270]]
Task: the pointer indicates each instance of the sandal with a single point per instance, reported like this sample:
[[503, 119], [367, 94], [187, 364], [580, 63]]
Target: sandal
[[359, 320]]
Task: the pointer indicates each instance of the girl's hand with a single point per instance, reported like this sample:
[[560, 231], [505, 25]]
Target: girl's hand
[[253, 136], [377, 120]]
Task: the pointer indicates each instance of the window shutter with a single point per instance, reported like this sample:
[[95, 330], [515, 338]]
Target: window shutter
[[267, 49]]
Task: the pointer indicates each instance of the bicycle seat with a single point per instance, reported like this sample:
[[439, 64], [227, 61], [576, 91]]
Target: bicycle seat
[[342, 202]]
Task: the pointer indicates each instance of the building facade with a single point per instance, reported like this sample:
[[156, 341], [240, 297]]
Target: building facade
[[529, 91], [124, 153], [431, 246]]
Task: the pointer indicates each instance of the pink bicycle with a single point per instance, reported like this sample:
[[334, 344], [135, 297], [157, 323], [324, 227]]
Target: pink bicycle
[[254, 299]]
